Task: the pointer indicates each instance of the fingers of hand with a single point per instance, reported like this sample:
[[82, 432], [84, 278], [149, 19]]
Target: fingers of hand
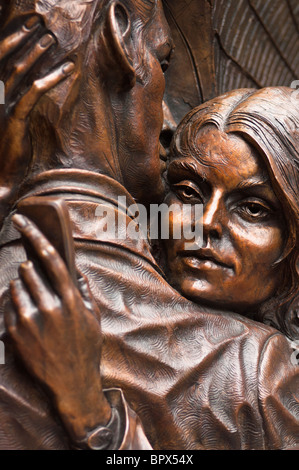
[[23, 322], [24, 310], [38, 289], [48, 256], [40, 87], [27, 62], [16, 39]]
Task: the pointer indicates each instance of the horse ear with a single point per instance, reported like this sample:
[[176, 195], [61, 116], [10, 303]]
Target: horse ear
[[116, 45]]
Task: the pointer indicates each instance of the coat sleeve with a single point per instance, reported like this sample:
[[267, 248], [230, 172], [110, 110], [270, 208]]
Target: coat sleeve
[[123, 432]]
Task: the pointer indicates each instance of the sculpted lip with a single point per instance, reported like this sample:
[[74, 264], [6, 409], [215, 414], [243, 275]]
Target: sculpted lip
[[204, 255]]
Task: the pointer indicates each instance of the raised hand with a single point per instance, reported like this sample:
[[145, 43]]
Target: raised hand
[[15, 145], [56, 331]]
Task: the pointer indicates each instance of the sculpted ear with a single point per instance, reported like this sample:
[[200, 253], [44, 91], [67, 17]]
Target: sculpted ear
[[117, 43]]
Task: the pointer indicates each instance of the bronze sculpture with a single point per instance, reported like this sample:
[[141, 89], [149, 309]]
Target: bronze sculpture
[[267, 121], [146, 324]]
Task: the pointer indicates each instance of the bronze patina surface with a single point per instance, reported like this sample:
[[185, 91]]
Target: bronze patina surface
[[144, 344]]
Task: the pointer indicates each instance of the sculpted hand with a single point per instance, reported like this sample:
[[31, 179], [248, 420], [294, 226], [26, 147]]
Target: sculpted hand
[[15, 145], [56, 333]]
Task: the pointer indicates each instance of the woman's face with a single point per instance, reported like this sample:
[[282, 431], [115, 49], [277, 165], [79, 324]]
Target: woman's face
[[243, 226]]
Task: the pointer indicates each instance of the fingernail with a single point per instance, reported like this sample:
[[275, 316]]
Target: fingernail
[[47, 40], [19, 221], [26, 265], [32, 23], [68, 68]]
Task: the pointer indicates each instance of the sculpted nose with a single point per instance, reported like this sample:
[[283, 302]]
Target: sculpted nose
[[169, 127], [212, 217]]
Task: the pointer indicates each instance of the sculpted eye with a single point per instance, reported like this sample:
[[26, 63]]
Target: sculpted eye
[[255, 210], [187, 191], [164, 65], [166, 58]]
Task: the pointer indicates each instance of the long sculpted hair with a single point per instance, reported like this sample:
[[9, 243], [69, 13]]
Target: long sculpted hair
[[268, 119]]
